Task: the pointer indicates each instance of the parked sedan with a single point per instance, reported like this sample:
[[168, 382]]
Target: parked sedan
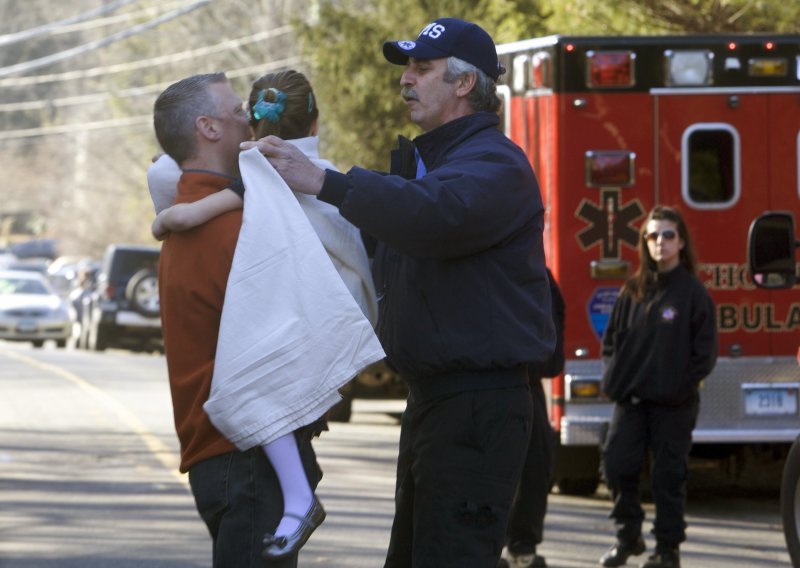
[[31, 310]]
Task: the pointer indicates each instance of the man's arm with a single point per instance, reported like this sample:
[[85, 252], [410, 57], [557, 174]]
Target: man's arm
[[185, 216]]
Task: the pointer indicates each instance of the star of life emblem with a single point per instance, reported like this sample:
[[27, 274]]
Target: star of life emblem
[[407, 45]]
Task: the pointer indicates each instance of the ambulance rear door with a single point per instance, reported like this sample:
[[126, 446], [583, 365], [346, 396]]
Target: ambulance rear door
[[724, 157]]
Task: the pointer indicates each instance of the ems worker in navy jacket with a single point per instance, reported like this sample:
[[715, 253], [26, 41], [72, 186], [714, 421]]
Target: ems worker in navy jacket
[[464, 296], [661, 341]]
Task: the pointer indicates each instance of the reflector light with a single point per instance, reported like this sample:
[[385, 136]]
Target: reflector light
[[732, 64], [767, 67], [688, 68], [610, 68], [609, 168]]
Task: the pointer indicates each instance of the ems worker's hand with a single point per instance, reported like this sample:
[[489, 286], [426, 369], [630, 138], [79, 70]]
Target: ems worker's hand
[[299, 173]]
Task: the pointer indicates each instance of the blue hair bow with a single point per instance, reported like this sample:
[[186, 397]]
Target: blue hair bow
[[270, 110]]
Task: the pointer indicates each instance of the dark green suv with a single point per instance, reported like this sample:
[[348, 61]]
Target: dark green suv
[[123, 308]]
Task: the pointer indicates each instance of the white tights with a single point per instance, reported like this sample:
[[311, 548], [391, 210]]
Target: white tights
[[297, 494]]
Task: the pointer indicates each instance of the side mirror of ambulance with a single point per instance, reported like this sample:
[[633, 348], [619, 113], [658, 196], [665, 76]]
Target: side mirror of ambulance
[[772, 246]]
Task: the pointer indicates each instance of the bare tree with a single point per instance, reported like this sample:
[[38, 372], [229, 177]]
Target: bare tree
[[77, 135]]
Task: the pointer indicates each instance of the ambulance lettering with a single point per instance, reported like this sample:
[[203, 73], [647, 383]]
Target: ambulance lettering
[[609, 223], [726, 276], [753, 318]]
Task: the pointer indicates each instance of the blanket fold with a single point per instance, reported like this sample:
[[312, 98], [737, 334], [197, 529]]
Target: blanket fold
[[291, 333]]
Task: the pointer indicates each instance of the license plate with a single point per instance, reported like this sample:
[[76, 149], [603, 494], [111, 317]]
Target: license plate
[[26, 326], [778, 400]]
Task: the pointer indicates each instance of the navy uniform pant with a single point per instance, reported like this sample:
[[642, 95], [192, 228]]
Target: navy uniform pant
[[666, 431], [526, 525], [458, 467]]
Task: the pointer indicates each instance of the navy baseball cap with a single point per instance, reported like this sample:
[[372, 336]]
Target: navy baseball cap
[[447, 37]]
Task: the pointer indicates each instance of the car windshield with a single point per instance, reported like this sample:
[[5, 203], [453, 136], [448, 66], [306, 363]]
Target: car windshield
[[22, 286]]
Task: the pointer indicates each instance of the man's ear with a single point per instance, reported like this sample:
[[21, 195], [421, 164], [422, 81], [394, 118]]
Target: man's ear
[[207, 127], [466, 83]]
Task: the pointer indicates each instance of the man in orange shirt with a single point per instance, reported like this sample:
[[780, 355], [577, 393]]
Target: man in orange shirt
[[200, 122]]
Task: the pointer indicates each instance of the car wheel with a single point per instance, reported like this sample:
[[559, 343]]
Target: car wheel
[[38, 343], [142, 293], [790, 502], [61, 343]]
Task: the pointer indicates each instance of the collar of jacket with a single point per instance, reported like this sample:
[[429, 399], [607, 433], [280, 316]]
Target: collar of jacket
[[665, 277], [435, 144]]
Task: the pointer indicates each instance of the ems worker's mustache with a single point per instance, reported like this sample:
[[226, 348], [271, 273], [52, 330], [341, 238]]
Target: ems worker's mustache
[[409, 94]]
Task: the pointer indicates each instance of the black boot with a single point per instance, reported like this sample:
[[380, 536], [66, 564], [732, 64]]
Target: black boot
[[618, 554], [664, 557]]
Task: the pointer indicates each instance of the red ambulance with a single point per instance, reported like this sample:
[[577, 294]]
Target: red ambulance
[[707, 123]]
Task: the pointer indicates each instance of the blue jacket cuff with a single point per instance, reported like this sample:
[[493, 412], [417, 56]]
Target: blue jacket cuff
[[334, 188]]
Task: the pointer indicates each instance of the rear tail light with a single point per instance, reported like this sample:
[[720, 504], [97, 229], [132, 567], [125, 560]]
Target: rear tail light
[[609, 168], [609, 69], [109, 291]]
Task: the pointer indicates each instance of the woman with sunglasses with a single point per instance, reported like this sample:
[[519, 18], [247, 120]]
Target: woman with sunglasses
[[661, 341]]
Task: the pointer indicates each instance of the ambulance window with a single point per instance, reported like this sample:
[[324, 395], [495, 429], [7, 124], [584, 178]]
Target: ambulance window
[[541, 70], [504, 93], [520, 74], [710, 167]]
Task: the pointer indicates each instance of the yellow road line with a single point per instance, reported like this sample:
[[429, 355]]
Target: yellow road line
[[161, 452]]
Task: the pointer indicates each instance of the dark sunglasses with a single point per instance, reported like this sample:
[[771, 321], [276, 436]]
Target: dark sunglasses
[[667, 235]]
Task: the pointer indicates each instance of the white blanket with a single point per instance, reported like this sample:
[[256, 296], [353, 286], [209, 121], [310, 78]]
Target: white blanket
[[291, 333], [342, 241]]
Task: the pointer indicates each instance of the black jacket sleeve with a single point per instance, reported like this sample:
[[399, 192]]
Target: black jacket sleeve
[[555, 364]]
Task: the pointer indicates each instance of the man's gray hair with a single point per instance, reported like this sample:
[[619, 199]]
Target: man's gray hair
[[484, 96], [176, 110]]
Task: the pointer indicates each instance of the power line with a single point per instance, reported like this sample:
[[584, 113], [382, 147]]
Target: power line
[[133, 120], [52, 27], [145, 12], [49, 59], [101, 97], [74, 128], [144, 63]]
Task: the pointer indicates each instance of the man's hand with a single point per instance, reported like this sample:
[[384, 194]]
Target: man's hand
[[299, 173]]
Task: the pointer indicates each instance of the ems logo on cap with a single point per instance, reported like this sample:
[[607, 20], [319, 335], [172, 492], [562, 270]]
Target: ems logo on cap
[[448, 37]]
